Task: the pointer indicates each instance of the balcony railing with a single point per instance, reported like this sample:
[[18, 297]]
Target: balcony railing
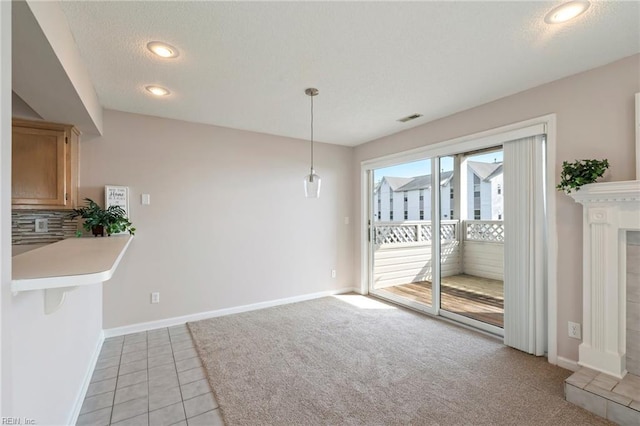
[[420, 232], [402, 250], [484, 230], [413, 232]]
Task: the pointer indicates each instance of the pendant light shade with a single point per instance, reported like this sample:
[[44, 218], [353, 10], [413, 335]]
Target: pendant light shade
[[312, 181], [312, 185]]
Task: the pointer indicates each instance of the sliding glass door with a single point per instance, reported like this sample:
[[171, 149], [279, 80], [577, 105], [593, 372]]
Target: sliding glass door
[[472, 239], [436, 234], [401, 234]]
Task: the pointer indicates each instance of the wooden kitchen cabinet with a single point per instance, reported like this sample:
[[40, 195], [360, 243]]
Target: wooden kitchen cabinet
[[44, 162]]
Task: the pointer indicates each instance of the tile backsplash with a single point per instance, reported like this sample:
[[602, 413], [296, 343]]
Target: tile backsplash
[[23, 226]]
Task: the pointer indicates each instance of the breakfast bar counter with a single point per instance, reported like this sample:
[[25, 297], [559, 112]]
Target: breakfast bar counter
[[67, 264]]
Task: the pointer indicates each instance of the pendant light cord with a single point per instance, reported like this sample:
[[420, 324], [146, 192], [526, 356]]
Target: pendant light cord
[[311, 134]]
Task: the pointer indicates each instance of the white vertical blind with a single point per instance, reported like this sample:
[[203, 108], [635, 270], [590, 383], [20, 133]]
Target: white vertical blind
[[524, 245]]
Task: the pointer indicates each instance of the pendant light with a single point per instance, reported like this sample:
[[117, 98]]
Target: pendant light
[[312, 180]]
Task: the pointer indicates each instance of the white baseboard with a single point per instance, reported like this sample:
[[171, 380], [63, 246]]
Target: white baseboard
[[569, 364], [168, 322], [87, 379]]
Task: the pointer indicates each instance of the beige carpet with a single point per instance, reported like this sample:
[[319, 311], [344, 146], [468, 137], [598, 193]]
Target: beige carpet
[[330, 362]]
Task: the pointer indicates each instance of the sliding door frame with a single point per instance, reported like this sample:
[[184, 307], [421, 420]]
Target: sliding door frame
[[486, 139]]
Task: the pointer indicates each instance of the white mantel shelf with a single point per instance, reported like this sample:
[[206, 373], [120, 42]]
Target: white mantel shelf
[[63, 266], [624, 191], [609, 209]]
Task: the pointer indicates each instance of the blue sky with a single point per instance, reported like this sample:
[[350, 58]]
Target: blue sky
[[423, 167]]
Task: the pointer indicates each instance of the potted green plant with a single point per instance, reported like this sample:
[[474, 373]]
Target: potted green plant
[[97, 220], [581, 172]]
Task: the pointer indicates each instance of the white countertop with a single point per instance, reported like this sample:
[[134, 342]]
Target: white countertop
[[70, 262]]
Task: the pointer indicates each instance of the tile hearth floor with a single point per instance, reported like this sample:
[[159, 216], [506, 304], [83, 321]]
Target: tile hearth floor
[[150, 378], [615, 399]]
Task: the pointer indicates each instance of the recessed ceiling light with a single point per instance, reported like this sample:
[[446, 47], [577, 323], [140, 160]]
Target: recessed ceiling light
[[566, 11], [157, 90], [163, 50]]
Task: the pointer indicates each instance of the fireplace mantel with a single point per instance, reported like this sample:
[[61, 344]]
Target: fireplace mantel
[[610, 209]]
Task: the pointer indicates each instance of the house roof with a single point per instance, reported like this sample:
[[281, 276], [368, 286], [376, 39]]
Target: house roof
[[399, 184], [396, 182], [485, 171]]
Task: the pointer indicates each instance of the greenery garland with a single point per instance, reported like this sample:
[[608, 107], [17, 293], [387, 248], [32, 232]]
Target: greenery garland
[[581, 172]]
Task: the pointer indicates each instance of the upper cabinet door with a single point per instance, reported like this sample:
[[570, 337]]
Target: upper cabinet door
[[39, 167], [44, 165]]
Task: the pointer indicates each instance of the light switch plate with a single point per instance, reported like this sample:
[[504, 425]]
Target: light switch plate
[[146, 199]]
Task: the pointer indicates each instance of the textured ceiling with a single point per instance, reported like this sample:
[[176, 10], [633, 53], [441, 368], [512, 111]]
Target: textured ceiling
[[246, 65]]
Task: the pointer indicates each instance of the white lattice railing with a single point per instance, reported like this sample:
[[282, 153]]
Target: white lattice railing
[[491, 231], [420, 232], [412, 232]]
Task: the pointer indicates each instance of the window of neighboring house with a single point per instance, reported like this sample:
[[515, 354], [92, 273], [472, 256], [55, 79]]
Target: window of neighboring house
[[421, 214], [476, 195], [499, 217], [499, 189], [476, 183], [451, 193], [451, 214], [379, 215], [391, 215], [476, 214], [406, 215]]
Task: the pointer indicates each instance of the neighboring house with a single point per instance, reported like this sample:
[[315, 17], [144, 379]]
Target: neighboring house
[[484, 191], [397, 198]]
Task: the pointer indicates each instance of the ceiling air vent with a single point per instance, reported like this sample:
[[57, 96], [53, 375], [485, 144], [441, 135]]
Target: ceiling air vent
[[409, 118]]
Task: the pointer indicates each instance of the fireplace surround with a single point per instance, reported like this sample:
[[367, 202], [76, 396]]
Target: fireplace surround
[[611, 308]]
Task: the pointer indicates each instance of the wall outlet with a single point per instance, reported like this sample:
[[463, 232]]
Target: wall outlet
[[42, 225], [155, 297], [333, 273], [575, 330]]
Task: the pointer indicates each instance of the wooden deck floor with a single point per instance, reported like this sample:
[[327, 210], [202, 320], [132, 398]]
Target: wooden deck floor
[[474, 297]]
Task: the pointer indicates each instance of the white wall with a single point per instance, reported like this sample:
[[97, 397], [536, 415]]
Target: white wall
[[44, 358], [54, 354], [485, 198], [228, 223], [413, 263], [483, 259], [5, 207], [497, 203], [595, 119], [413, 205], [48, 72]]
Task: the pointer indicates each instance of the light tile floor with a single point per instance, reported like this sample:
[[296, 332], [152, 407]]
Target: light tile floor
[[615, 399], [150, 378]]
